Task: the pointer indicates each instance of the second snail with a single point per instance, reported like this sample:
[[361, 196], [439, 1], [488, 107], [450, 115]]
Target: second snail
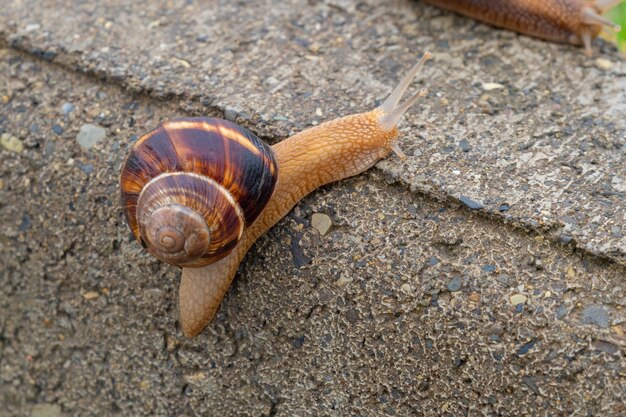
[[198, 192], [575, 22]]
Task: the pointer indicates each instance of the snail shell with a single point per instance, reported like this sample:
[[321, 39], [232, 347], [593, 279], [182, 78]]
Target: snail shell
[[191, 186]]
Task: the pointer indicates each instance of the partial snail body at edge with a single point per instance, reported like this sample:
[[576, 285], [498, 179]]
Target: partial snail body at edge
[[191, 186]]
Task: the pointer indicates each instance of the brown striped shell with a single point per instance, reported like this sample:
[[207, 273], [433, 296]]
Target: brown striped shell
[[191, 186]]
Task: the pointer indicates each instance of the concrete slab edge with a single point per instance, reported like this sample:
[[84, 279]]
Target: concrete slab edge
[[201, 104]]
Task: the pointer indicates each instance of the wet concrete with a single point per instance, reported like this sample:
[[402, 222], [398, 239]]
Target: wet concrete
[[549, 143], [484, 275]]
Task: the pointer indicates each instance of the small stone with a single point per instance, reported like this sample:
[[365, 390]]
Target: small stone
[[504, 279], [616, 231], [504, 208], [32, 27], [202, 38], [67, 108], [90, 295], [87, 168], [489, 268], [417, 153], [470, 204], [182, 62], [518, 299], [230, 114], [433, 261], [604, 64], [343, 281], [57, 129], [561, 311], [48, 55], [156, 23], [195, 377], [596, 314], [299, 257], [153, 294], [618, 330], [48, 149], [89, 135], [321, 222], [492, 86], [608, 347], [171, 343], [530, 383], [45, 410], [571, 273], [298, 342], [548, 294], [455, 284], [565, 239], [315, 47], [26, 223], [447, 149], [464, 145], [526, 347], [475, 297], [11, 143]]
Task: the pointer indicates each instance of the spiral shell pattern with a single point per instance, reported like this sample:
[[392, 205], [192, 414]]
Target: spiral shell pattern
[[191, 186]]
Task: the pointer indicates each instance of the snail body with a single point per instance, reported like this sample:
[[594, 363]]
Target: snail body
[[575, 22], [197, 193]]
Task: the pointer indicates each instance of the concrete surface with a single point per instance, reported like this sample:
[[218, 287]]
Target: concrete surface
[[549, 144], [411, 304]]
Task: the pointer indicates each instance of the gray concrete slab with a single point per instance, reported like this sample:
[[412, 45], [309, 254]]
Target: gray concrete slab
[[412, 304], [407, 306], [546, 151]]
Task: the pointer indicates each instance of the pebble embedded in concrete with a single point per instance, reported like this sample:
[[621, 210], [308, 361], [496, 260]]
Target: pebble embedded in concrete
[[604, 64], [45, 410], [492, 86], [596, 314], [470, 204], [67, 108], [518, 299], [465, 145], [230, 114], [11, 143], [89, 135], [321, 222], [455, 284]]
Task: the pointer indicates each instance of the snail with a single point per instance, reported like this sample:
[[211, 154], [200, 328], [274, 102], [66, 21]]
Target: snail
[[198, 192], [565, 21]]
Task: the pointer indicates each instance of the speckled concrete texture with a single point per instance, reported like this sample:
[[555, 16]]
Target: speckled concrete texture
[[483, 276], [549, 144]]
